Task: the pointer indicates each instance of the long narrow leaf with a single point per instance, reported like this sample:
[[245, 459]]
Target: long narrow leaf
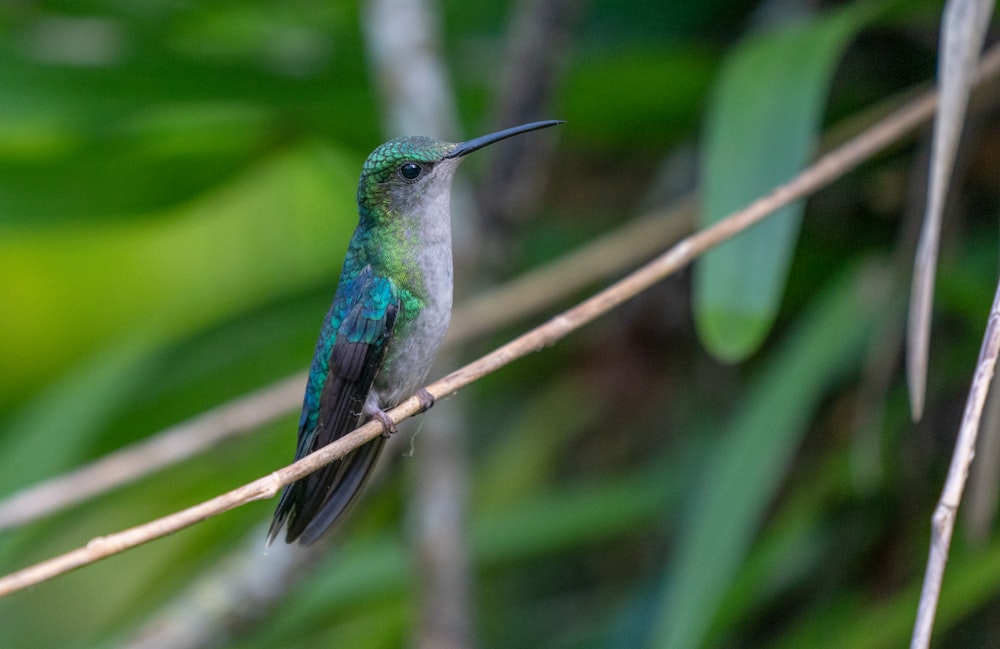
[[762, 125], [742, 474], [962, 33]]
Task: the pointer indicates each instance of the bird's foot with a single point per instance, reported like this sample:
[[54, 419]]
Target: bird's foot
[[426, 400], [388, 427]]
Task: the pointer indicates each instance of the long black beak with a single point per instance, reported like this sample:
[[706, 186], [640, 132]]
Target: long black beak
[[464, 148]]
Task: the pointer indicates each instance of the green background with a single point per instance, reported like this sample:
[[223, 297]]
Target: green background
[[176, 191]]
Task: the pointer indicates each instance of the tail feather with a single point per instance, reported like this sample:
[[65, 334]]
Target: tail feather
[[305, 513]]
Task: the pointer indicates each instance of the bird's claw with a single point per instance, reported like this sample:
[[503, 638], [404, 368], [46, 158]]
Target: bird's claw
[[388, 427], [426, 399]]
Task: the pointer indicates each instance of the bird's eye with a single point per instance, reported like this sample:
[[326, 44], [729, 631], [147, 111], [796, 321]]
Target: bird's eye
[[410, 170]]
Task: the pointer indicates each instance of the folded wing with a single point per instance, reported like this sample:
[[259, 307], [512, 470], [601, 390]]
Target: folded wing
[[311, 505]]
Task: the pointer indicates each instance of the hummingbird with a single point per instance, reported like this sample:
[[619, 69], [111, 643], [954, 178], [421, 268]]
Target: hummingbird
[[388, 318]]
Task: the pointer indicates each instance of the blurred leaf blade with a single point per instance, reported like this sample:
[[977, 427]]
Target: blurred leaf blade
[[963, 30], [743, 472], [762, 124]]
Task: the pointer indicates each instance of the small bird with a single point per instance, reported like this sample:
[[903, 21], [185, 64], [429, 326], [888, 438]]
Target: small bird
[[388, 318]]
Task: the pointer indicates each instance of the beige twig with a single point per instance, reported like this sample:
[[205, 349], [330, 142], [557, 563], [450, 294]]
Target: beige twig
[[142, 458], [943, 522], [505, 305], [606, 256], [508, 304], [262, 488], [824, 171]]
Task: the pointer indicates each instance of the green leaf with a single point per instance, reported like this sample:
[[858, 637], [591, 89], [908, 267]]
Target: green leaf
[[762, 124], [743, 472]]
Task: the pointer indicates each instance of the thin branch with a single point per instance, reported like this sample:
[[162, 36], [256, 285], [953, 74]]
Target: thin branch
[[824, 171], [172, 445], [491, 310], [266, 487], [943, 522], [438, 534], [984, 477], [487, 312], [612, 254], [403, 43]]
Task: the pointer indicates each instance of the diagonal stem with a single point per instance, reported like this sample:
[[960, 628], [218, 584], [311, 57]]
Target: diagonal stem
[[943, 522], [823, 172]]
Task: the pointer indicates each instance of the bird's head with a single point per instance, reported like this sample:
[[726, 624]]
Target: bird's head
[[412, 175]]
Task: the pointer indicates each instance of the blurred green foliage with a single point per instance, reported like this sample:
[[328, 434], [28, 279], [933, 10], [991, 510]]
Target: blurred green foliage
[[176, 190]]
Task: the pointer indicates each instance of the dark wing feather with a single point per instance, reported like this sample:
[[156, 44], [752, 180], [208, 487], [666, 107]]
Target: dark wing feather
[[311, 505]]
